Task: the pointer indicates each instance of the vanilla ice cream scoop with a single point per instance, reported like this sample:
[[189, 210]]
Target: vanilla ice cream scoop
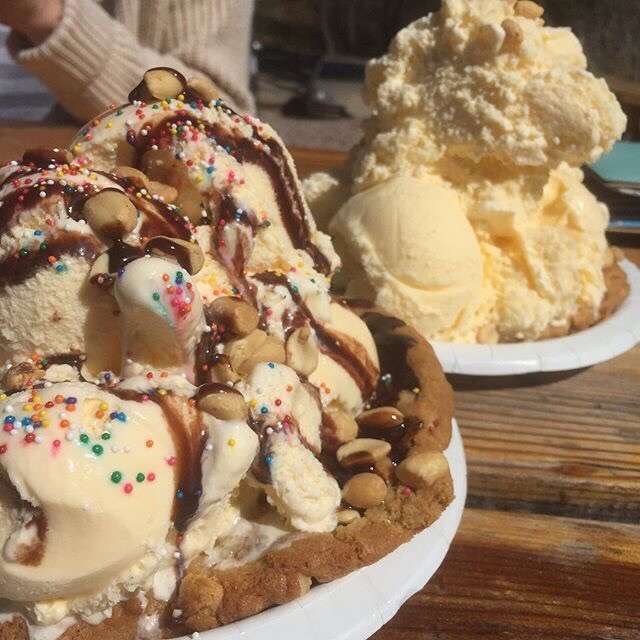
[[161, 313], [462, 208], [86, 491], [414, 251], [481, 81], [224, 167], [46, 246], [56, 219]]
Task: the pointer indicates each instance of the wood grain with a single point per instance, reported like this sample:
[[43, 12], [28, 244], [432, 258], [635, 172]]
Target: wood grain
[[15, 138], [525, 577], [556, 444]]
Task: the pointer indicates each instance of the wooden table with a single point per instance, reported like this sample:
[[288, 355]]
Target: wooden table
[[549, 546]]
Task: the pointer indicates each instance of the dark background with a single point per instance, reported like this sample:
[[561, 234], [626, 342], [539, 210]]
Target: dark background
[[608, 29]]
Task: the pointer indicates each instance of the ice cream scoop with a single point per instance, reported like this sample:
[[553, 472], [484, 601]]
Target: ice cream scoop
[[413, 250], [46, 246], [224, 349], [462, 208], [86, 495], [229, 168], [56, 220]]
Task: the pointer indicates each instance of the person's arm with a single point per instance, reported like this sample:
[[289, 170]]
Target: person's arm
[[90, 60]]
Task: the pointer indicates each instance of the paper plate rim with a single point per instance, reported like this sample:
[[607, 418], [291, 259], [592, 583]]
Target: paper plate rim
[[354, 607], [606, 340]]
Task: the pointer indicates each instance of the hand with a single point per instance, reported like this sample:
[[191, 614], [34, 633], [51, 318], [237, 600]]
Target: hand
[[34, 19]]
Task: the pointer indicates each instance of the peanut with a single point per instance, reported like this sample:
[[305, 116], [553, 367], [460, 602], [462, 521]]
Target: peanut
[[345, 428], [238, 317], [380, 418], [222, 402], [364, 490], [422, 469], [110, 213], [302, 351], [362, 451], [204, 88], [245, 353], [163, 83]]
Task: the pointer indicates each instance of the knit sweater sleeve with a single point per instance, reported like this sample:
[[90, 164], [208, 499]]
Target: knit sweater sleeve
[[91, 60]]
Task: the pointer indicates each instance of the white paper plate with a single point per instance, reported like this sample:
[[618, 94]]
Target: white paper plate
[[608, 339], [357, 605]]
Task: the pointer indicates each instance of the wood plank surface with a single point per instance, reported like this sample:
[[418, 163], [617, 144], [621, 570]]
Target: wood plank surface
[[550, 548], [563, 444], [529, 577]]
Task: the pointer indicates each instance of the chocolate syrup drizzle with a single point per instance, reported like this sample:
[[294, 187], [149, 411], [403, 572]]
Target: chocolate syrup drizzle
[[166, 246], [251, 151], [159, 218], [346, 352], [396, 374], [17, 268], [189, 446], [236, 228]]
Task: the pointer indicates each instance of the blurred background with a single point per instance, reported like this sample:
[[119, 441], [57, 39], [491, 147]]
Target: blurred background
[[314, 51], [308, 59]]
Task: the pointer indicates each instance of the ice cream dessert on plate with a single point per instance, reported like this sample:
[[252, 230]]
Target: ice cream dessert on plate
[[193, 428], [463, 207]]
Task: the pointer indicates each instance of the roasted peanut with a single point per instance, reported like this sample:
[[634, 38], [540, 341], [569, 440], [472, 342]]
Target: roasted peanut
[[162, 83], [271, 350], [245, 353], [136, 176], [238, 317], [162, 166], [380, 418], [222, 402], [166, 192], [344, 426], [362, 451], [364, 490], [204, 88], [110, 213], [422, 469], [302, 351]]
